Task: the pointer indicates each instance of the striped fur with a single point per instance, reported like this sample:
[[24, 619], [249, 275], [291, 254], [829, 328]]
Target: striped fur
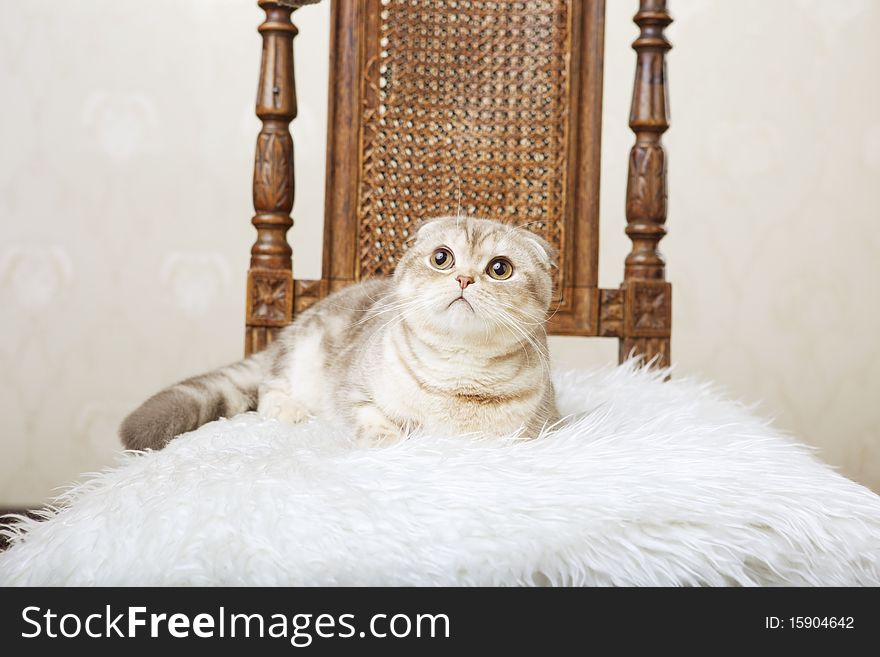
[[416, 351], [189, 404]]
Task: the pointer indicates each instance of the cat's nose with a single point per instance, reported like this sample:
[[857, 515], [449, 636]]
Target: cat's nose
[[464, 281]]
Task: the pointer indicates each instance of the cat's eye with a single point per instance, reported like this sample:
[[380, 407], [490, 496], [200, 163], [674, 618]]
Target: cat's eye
[[500, 269], [442, 258]]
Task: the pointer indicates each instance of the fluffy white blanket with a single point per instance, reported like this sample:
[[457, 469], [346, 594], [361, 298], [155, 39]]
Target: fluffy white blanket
[[652, 483]]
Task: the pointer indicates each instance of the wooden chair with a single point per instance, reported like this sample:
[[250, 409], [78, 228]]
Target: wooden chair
[[491, 108]]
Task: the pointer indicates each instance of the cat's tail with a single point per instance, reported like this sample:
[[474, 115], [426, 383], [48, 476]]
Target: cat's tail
[[187, 405]]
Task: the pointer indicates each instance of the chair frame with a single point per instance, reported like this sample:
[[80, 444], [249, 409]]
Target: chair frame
[[638, 313]]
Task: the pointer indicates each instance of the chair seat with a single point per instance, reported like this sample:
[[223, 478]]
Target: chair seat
[[649, 483]]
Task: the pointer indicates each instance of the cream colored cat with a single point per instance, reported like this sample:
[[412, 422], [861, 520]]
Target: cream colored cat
[[453, 342]]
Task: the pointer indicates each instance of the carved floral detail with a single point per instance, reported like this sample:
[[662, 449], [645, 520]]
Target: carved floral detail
[[648, 311], [651, 308], [270, 298], [646, 185], [273, 172]]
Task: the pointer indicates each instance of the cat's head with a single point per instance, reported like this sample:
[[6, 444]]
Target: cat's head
[[472, 276]]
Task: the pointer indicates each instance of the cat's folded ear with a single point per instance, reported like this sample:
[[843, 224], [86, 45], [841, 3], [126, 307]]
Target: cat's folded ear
[[419, 227], [542, 248]]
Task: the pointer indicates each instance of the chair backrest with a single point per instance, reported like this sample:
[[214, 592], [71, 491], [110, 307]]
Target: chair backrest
[[479, 107]]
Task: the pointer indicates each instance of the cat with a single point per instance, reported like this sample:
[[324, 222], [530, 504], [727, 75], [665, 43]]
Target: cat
[[454, 342]]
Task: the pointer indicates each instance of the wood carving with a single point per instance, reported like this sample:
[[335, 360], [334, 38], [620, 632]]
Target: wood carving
[[611, 313], [654, 351], [273, 172], [646, 185], [648, 309], [270, 280], [647, 297], [269, 301], [308, 293]]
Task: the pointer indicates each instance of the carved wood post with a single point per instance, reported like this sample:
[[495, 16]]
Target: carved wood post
[[270, 277], [647, 296]]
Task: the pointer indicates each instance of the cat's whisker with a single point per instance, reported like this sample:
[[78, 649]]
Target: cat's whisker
[[416, 304], [540, 320], [543, 356], [505, 323], [392, 307], [530, 223]]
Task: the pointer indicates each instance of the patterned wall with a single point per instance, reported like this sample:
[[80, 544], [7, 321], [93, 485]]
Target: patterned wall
[[127, 151], [125, 201]]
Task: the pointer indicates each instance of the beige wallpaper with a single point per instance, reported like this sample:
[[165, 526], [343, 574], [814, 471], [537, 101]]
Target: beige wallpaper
[[126, 141]]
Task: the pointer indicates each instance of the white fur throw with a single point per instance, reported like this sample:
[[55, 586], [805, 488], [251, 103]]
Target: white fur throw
[[656, 483]]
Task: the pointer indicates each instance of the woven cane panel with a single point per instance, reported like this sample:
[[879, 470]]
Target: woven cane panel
[[466, 111]]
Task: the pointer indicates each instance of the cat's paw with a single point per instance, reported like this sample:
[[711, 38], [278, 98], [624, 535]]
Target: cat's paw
[[278, 405], [376, 430]]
